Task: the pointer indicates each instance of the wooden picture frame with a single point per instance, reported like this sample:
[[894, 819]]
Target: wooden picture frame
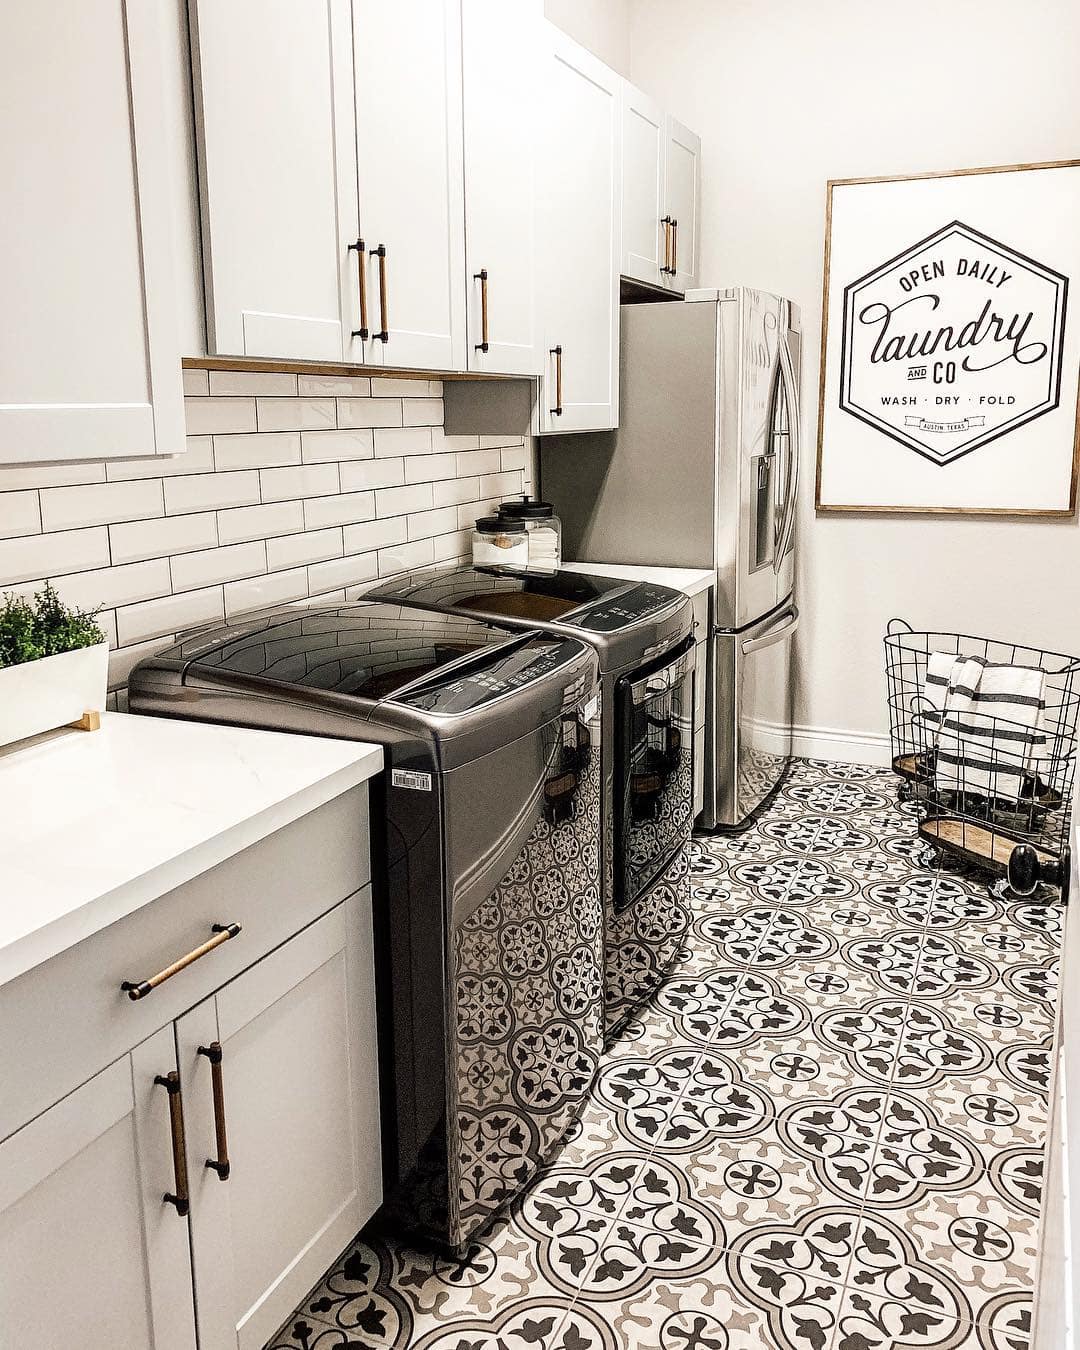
[[969, 401]]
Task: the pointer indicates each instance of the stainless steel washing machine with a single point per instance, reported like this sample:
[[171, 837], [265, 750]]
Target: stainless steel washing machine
[[486, 856], [643, 637]]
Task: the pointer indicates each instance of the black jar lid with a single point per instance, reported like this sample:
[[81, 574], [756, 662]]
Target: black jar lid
[[500, 525], [529, 508]]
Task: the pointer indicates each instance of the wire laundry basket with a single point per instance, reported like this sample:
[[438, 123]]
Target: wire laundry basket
[[983, 738]]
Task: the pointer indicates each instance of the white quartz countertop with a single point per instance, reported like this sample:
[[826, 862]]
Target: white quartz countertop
[[95, 824], [689, 580]]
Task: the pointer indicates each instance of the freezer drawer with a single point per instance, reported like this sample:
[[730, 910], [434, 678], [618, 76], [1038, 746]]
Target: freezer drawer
[[749, 726]]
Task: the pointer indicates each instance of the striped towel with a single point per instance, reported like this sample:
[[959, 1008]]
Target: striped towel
[[990, 728]]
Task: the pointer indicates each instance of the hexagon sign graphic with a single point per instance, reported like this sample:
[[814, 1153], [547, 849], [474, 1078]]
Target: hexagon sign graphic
[[952, 343]]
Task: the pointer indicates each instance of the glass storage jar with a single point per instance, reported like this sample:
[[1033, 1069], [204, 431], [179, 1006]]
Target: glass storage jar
[[543, 527], [500, 541]]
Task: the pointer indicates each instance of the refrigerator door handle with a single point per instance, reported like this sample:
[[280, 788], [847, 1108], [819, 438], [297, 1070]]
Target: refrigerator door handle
[[773, 636], [787, 368]]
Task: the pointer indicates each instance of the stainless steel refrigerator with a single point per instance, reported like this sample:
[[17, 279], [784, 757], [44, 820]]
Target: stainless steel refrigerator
[[704, 472]]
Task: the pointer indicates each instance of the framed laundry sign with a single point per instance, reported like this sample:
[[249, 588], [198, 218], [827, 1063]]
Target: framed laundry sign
[[950, 344]]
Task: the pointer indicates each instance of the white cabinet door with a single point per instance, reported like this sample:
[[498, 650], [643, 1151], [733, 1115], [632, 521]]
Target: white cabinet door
[[499, 86], [644, 232], [407, 63], [89, 361], [578, 238], [682, 198], [297, 1112], [273, 100], [90, 1254]]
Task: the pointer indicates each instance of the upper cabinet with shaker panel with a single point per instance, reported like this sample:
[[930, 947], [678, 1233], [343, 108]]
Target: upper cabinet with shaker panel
[[578, 238], [277, 164], [89, 352], [500, 87], [660, 195], [407, 61]]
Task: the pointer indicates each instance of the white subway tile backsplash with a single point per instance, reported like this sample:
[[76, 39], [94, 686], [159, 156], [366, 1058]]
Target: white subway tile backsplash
[[452, 547], [124, 661], [333, 386], [425, 524], [198, 457], [20, 513], [440, 441], [392, 441], [374, 473], [369, 412], [196, 382], [500, 484], [170, 614], [277, 588], [397, 501], [403, 387], [307, 480], [345, 509], [429, 468], [67, 508], [324, 446], [112, 586], [260, 522], [422, 412], [232, 382], [296, 414], [402, 557], [513, 458], [311, 546], [375, 534], [478, 461], [36, 556], [162, 538], [215, 565], [15, 477], [257, 450], [209, 416], [210, 491], [350, 571], [455, 491]]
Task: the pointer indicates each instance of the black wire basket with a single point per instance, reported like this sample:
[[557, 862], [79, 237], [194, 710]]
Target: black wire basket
[[983, 740]]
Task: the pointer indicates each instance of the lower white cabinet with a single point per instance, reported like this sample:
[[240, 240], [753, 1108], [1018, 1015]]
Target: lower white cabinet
[[209, 1177], [90, 1254], [295, 1117]]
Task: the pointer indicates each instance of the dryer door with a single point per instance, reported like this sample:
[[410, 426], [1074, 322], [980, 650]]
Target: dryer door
[[525, 957]]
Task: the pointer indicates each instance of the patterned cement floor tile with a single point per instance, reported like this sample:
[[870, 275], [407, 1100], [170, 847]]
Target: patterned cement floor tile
[[826, 1130]]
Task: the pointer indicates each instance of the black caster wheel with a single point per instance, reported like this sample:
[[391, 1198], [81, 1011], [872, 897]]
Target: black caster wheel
[[1026, 871]]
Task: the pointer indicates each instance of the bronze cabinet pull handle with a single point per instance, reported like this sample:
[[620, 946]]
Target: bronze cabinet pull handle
[[384, 335], [674, 247], [556, 352], [136, 989], [220, 1164], [361, 262], [482, 278], [666, 222], [180, 1200]]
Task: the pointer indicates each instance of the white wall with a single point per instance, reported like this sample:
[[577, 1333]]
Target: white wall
[[786, 95], [602, 26]]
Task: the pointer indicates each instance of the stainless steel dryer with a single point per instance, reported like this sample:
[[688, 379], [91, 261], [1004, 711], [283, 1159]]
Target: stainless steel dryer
[[485, 845], [642, 634]]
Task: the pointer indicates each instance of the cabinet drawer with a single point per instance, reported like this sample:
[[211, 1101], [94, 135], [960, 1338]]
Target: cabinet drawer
[[69, 1017]]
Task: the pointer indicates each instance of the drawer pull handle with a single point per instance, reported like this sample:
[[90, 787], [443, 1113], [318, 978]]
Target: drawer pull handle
[[666, 221], [360, 248], [482, 277], [220, 1164], [136, 989], [180, 1200], [556, 352], [384, 305]]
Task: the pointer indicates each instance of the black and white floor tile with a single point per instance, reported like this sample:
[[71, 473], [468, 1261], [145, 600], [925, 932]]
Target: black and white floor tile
[[826, 1132]]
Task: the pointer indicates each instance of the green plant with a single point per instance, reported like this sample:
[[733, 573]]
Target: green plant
[[46, 627]]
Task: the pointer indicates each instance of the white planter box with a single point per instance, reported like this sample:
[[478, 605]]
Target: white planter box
[[39, 695]]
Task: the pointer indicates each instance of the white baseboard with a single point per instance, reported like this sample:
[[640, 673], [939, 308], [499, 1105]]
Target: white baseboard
[[845, 747]]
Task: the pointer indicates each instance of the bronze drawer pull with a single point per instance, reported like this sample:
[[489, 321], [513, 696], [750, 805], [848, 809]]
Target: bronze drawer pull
[[136, 989], [674, 248], [220, 1164], [482, 278], [361, 262], [384, 306], [180, 1200], [667, 222], [556, 352]]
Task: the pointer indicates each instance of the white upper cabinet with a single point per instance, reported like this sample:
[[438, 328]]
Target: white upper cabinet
[[645, 234], [661, 191], [501, 111], [578, 238], [89, 359], [682, 199], [407, 60], [277, 159]]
